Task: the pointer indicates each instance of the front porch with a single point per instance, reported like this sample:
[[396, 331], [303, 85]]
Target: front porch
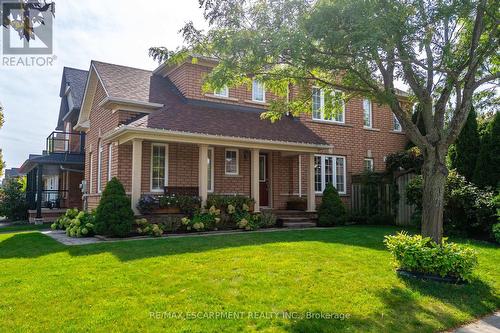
[[269, 172]]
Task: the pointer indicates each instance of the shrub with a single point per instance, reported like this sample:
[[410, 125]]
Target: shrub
[[188, 204], [267, 219], [246, 221], [422, 255], [222, 202], [171, 223], [331, 211], [114, 217], [411, 159], [13, 203], [206, 220], [76, 223], [468, 210], [496, 232], [147, 204], [144, 227]]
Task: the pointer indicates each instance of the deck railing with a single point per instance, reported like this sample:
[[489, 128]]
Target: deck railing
[[65, 142]]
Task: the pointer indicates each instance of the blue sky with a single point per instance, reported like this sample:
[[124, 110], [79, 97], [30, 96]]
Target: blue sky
[[111, 31]]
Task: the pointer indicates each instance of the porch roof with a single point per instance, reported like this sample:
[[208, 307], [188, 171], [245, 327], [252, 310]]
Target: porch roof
[[55, 158]]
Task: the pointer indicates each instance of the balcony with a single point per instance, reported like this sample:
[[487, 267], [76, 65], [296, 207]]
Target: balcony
[[65, 142]]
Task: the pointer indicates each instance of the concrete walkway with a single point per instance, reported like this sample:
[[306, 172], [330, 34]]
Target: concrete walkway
[[61, 237], [489, 324]]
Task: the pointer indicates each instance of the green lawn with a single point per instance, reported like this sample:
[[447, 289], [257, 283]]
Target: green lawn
[[24, 227], [46, 286]]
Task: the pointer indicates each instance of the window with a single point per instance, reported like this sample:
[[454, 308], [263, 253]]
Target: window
[[110, 160], [158, 167], [329, 169], [210, 185], [368, 164], [67, 136], [262, 168], [99, 168], [367, 113], [318, 103], [223, 92], [231, 165], [258, 91], [91, 175], [396, 125]]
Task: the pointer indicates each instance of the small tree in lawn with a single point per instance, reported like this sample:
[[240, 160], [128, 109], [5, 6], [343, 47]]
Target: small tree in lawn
[[331, 211], [114, 216]]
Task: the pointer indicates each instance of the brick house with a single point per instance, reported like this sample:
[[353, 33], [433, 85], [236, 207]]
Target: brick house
[[157, 129], [53, 178]]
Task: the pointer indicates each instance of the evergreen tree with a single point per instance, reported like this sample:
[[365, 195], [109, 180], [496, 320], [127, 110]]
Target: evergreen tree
[[464, 154], [331, 211], [487, 172], [114, 216]]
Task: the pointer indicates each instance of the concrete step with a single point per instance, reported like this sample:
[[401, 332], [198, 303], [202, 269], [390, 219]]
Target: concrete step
[[296, 219]]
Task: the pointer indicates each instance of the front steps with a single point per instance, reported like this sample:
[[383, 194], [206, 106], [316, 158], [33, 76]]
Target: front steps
[[296, 218]]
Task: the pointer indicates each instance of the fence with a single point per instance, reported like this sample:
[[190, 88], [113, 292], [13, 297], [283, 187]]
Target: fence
[[376, 194]]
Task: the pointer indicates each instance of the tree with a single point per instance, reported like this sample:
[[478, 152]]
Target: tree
[[2, 163], [443, 50], [331, 211], [465, 152], [114, 216], [487, 171], [13, 199]]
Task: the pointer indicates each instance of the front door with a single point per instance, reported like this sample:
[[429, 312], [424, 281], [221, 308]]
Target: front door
[[263, 181]]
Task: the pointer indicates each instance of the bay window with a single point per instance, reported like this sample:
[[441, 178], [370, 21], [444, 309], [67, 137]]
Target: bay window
[[329, 169]]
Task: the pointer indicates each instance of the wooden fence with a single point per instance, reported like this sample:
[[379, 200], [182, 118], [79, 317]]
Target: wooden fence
[[378, 195]]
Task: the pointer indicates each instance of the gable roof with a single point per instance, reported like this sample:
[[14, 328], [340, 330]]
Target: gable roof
[[75, 79]]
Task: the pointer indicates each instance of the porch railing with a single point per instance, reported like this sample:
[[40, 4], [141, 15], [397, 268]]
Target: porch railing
[[50, 199], [65, 142]]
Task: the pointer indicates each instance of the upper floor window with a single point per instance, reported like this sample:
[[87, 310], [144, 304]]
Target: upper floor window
[[329, 169], [318, 103], [367, 113], [258, 91], [231, 162], [396, 126], [368, 164], [222, 92], [158, 167]]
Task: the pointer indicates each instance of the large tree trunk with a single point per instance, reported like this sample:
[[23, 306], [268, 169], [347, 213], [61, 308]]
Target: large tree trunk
[[434, 173]]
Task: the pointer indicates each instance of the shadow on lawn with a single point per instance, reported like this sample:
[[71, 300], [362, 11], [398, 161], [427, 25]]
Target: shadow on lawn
[[32, 245], [404, 312]]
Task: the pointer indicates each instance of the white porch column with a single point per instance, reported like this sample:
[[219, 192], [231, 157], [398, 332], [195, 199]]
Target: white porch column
[[136, 174], [203, 174], [254, 178], [311, 195]]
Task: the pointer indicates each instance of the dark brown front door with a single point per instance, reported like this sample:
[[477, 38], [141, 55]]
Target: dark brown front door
[[263, 181]]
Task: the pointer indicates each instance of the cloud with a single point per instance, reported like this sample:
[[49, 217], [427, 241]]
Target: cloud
[[112, 31]]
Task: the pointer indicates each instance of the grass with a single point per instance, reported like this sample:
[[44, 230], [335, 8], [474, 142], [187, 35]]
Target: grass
[[24, 227], [46, 286]]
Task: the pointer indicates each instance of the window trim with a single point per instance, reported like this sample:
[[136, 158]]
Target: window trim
[[218, 94], [372, 164], [395, 121], [237, 162], [110, 159], [165, 182], [211, 174], [370, 125], [99, 168], [263, 92], [322, 112], [91, 173], [334, 172]]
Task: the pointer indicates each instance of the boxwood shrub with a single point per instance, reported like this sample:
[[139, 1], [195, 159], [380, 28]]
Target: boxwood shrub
[[419, 254]]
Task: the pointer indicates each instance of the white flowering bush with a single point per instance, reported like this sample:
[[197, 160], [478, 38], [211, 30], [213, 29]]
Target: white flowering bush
[[144, 227], [76, 223], [204, 220]]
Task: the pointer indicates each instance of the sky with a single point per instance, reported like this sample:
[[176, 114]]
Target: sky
[[119, 32]]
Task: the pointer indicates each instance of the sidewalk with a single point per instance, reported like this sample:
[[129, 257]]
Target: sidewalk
[[489, 324]]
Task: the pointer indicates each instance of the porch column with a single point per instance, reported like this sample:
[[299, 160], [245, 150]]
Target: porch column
[[254, 178], [311, 195], [136, 174], [39, 188], [203, 174]]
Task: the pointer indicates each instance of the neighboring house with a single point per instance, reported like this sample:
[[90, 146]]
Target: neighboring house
[[54, 178], [10, 174], [157, 129]]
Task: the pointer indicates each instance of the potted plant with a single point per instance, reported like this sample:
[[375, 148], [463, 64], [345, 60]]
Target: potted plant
[[168, 205]]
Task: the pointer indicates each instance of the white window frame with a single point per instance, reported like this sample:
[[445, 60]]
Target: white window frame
[[99, 169], [395, 121], [165, 181], [110, 160], [370, 160], [237, 162], [322, 114], [67, 131], [254, 82], [91, 176], [223, 92], [334, 172], [370, 113], [211, 174]]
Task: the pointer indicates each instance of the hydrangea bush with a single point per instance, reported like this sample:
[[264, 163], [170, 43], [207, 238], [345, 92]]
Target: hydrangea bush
[[76, 223]]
